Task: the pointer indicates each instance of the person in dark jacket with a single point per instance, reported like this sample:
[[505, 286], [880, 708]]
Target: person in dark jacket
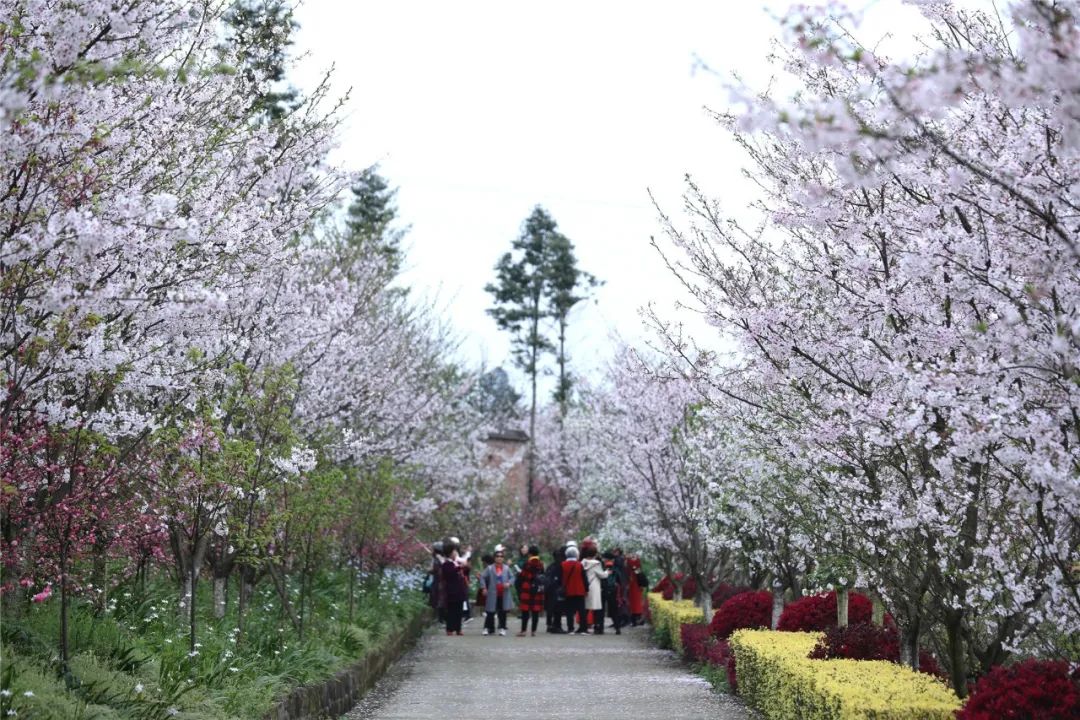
[[574, 588], [615, 590], [554, 600], [531, 597], [455, 590], [637, 585]]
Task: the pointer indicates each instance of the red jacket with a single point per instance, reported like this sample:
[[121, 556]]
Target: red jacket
[[573, 579], [531, 595]]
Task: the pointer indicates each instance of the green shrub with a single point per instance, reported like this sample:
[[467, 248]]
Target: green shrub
[[132, 660]]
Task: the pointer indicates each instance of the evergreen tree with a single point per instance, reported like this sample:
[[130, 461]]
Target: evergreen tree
[[567, 286], [536, 281], [519, 289], [259, 34], [370, 218], [495, 398]]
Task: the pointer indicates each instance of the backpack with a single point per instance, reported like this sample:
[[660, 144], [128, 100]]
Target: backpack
[[553, 584], [611, 583]]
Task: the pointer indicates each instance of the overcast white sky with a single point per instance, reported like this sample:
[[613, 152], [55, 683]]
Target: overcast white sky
[[478, 111]]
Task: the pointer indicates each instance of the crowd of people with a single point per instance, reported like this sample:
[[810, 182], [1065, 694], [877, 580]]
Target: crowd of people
[[578, 592]]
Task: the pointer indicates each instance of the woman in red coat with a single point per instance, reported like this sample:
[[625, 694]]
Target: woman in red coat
[[574, 588], [531, 595], [638, 583]]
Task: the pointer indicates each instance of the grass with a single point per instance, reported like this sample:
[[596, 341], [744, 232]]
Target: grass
[[715, 674], [132, 659]]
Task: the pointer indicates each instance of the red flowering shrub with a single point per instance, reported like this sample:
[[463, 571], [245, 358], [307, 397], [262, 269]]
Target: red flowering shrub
[[667, 588], [719, 653], [861, 641], [1031, 690], [745, 610], [865, 641], [695, 641], [814, 613], [699, 646], [723, 593]]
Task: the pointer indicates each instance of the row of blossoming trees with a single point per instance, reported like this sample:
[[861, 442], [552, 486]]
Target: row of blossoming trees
[[892, 402], [202, 369]]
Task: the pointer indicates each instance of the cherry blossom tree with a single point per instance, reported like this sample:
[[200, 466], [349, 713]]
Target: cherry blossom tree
[[904, 314], [666, 467], [188, 332]]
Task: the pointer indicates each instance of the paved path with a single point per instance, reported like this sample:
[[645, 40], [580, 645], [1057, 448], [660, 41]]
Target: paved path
[[572, 677]]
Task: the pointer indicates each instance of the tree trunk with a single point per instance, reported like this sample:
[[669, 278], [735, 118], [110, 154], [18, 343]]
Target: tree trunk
[[99, 578], [221, 595], [65, 654], [704, 601], [191, 609], [777, 604], [957, 652], [531, 469], [305, 583], [877, 612], [282, 587], [352, 590], [909, 644], [243, 592], [190, 559], [842, 598], [563, 394]]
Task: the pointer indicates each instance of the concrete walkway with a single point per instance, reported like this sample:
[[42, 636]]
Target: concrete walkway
[[578, 677]]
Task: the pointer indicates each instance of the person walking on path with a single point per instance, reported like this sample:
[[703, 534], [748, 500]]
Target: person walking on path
[[615, 590], [554, 600], [498, 582], [637, 584], [455, 590], [531, 597], [594, 576], [573, 585]]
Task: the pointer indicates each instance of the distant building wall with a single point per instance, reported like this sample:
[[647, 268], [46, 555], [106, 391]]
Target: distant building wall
[[508, 449]]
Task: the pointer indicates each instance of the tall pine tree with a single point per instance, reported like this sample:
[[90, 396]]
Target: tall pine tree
[[370, 217], [567, 286], [535, 282], [259, 35]]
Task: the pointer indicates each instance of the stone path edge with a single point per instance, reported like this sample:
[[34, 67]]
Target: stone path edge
[[340, 693]]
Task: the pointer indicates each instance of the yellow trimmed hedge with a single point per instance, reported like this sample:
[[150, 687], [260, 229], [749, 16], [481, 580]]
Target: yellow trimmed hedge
[[669, 616], [777, 678]]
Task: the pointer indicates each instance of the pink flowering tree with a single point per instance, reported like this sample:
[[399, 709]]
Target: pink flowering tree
[[666, 468], [60, 499]]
